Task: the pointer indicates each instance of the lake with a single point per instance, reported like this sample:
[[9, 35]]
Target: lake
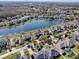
[[28, 26]]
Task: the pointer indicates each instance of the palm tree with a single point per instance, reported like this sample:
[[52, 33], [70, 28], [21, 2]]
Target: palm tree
[[33, 37], [43, 37], [8, 42], [21, 40], [17, 55], [27, 53]]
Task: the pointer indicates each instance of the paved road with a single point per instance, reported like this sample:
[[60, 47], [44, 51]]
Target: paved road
[[12, 52]]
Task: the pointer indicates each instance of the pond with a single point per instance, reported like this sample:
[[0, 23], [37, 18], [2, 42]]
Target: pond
[[28, 26]]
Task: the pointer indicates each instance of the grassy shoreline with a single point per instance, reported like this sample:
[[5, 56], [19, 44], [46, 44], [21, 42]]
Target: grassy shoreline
[[46, 28]]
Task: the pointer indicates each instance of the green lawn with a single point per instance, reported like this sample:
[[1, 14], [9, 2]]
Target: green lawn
[[60, 57], [76, 57], [20, 46], [10, 57], [76, 50], [3, 52], [70, 56]]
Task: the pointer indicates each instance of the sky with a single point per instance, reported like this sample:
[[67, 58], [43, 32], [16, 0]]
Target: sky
[[46, 0]]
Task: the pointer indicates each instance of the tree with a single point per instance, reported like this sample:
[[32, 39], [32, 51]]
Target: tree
[[8, 43], [27, 53]]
